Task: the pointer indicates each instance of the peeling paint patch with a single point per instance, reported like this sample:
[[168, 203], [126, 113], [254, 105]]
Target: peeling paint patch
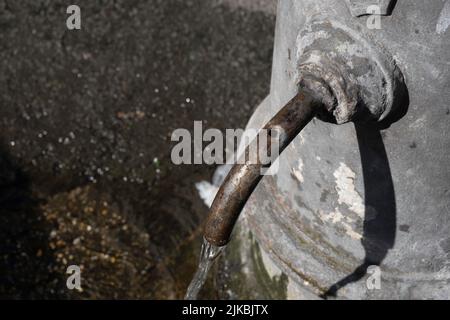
[[350, 232], [444, 19], [334, 217], [345, 187], [298, 172]]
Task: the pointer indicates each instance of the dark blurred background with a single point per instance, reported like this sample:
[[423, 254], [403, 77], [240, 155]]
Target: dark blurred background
[[85, 124]]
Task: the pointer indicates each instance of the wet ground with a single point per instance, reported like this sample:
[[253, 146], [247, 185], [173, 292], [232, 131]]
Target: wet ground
[[85, 124]]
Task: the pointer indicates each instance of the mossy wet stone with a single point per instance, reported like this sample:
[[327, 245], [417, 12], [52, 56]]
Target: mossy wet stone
[[243, 272]]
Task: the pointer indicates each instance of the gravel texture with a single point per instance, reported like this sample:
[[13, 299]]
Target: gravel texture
[[85, 124]]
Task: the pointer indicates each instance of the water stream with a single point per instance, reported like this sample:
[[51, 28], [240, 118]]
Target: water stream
[[208, 255]]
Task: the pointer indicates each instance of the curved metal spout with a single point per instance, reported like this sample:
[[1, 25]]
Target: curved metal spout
[[244, 176]]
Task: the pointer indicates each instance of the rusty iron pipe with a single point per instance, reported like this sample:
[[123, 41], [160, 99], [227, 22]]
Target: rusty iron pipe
[[244, 176]]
